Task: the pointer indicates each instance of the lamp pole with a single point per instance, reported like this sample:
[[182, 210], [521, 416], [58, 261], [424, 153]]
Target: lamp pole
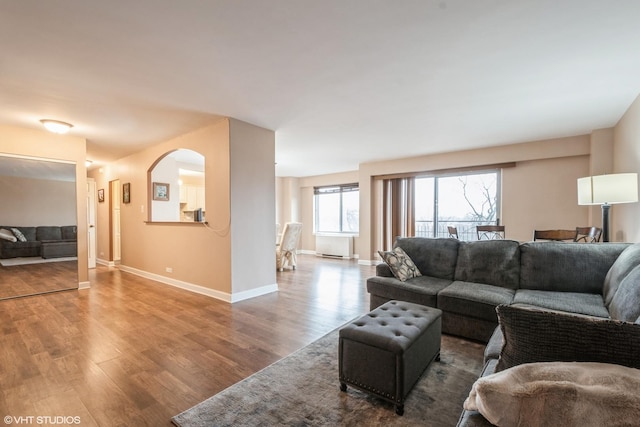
[[605, 222]]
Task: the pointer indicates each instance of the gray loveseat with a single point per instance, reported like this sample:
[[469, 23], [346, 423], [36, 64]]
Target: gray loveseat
[[44, 241], [578, 296]]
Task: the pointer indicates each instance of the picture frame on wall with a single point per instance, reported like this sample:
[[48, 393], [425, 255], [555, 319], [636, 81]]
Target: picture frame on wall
[[161, 191], [101, 195], [126, 192]]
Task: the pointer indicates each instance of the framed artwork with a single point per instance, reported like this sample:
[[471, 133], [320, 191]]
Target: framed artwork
[[101, 195], [160, 191], [126, 192]]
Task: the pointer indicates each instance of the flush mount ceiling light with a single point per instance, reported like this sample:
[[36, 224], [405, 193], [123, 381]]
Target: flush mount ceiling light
[[56, 126]]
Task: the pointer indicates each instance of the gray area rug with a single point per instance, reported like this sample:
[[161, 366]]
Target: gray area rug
[[303, 390]]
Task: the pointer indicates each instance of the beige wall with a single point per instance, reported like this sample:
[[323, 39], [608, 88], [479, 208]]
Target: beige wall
[[46, 145], [253, 205], [624, 218], [200, 257], [34, 202], [539, 192]]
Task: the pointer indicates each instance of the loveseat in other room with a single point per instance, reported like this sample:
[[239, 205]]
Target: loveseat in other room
[[43, 241], [555, 301]]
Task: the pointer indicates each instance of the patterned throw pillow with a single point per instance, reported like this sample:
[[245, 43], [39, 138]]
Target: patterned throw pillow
[[400, 264], [18, 234]]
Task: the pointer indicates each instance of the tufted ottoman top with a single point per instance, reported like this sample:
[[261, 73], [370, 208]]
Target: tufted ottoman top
[[393, 326]]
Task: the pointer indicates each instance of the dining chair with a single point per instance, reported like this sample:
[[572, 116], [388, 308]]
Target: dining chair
[[453, 232], [490, 232], [286, 249], [555, 235], [588, 234]]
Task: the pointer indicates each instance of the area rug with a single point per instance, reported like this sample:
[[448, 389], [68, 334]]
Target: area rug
[[33, 260], [303, 390]]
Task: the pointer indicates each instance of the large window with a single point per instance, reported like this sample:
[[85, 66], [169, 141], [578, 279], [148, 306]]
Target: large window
[[462, 201], [337, 209]]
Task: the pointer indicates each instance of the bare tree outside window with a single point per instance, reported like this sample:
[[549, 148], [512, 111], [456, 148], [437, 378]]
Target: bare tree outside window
[[461, 201]]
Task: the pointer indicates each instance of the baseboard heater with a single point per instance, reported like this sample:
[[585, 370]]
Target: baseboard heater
[[336, 246]]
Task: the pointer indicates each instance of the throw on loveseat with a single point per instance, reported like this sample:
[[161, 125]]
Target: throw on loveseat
[[44, 241], [591, 287]]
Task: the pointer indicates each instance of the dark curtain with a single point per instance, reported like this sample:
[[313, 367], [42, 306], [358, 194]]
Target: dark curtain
[[398, 210]]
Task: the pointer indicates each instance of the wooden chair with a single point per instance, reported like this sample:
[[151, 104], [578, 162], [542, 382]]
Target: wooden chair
[[555, 235], [286, 249], [453, 232], [490, 232], [588, 234]]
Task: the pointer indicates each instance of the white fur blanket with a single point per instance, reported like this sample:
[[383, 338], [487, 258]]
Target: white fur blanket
[[559, 394]]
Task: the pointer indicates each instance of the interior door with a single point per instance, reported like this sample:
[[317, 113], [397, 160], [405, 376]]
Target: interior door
[[115, 220], [91, 222]]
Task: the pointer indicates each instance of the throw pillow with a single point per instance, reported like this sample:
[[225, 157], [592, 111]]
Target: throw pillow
[[7, 235], [400, 264], [18, 234], [558, 394], [533, 334]]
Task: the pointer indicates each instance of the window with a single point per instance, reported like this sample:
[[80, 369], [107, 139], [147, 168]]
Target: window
[[463, 201], [336, 209]]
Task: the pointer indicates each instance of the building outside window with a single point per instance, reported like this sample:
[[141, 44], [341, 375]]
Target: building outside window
[[336, 209]]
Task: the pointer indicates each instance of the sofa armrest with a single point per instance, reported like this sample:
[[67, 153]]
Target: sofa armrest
[[383, 270], [533, 334]]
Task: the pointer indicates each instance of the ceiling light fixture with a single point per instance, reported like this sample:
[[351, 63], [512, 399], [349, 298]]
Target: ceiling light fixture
[[87, 163], [56, 126]]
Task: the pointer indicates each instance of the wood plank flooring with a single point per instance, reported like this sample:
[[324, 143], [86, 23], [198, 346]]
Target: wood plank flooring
[[133, 352]]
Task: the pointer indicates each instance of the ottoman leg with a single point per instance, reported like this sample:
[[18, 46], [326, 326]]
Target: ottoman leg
[[400, 409], [438, 357], [343, 386]]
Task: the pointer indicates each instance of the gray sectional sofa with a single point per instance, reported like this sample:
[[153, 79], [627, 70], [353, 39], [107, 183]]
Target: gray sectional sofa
[[555, 300], [44, 241]]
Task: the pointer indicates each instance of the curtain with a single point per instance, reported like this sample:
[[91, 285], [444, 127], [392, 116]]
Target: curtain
[[398, 204]]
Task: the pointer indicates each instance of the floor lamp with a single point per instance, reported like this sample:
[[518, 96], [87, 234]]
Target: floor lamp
[[606, 190]]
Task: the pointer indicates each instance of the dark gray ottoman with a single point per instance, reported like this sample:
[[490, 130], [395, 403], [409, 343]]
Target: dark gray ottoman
[[386, 351]]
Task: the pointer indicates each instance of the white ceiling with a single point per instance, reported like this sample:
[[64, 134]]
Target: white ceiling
[[340, 81]]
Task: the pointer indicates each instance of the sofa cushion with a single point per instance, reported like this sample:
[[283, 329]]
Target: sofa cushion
[[494, 346], [48, 232], [474, 299], [69, 232], [625, 304], [493, 262], [400, 264], [538, 335], [567, 267], [627, 261], [420, 290], [433, 257], [571, 302]]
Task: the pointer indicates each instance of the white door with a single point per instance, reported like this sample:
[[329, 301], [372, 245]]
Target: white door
[[115, 219], [91, 222]]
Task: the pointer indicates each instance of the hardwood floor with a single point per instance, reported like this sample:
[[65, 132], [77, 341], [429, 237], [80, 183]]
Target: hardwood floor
[[133, 352]]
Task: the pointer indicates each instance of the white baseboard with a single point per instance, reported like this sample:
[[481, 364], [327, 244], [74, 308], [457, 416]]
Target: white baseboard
[[223, 296], [84, 285], [105, 262], [368, 262]]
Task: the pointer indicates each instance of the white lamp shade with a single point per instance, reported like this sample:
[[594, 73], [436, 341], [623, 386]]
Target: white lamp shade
[[608, 189]]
